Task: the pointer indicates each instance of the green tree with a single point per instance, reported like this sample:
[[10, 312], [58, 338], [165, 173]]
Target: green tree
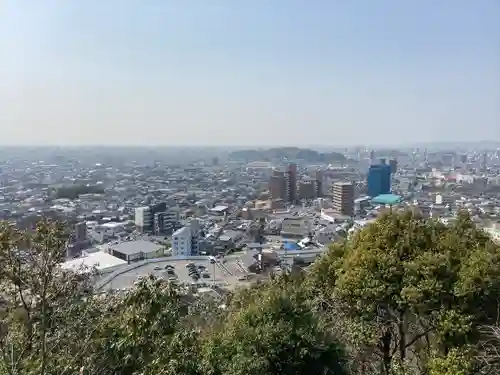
[[41, 302], [405, 286], [135, 328], [271, 330], [455, 362]]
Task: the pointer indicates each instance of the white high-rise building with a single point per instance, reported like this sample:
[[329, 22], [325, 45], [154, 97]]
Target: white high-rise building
[[143, 218], [185, 241]]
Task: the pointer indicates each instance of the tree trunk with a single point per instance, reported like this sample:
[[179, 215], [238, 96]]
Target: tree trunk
[[402, 336], [386, 341]]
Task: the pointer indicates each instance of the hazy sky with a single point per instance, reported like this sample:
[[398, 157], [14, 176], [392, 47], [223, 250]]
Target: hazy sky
[[257, 72]]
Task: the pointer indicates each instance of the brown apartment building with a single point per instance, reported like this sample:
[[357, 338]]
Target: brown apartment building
[[343, 198]]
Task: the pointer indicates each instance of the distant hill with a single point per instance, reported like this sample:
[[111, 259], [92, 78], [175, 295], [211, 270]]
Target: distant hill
[[288, 153]]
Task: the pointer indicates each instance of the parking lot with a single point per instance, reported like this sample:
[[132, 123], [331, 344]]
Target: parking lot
[[228, 277]]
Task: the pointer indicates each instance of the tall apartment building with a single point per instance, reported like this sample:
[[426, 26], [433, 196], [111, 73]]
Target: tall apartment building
[[186, 240], [277, 185], [343, 198], [291, 183], [181, 242], [379, 180], [283, 185]]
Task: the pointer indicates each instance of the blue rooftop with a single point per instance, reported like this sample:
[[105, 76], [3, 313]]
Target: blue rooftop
[[290, 246], [386, 199]]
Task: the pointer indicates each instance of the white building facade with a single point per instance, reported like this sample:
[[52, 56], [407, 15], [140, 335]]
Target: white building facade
[[142, 217], [185, 241], [181, 242]]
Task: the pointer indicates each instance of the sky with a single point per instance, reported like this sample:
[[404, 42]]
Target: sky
[[260, 72]]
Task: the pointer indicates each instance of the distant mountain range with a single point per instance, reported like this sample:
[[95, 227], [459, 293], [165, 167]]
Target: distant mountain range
[[288, 153]]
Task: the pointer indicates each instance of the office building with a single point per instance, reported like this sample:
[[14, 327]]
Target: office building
[[145, 217], [343, 198], [185, 241], [393, 163], [158, 207], [165, 223], [383, 161], [379, 180]]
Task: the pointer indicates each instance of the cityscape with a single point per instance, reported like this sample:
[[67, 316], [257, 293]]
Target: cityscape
[[256, 212], [250, 187]]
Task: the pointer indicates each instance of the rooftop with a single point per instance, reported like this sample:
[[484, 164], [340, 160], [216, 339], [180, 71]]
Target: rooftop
[[219, 208], [134, 247], [387, 199], [343, 183], [100, 260], [291, 246], [180, 232]]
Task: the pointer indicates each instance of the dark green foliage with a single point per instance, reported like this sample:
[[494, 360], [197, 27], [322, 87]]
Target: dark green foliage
[[74, 191], [413, 288], [271, 330]]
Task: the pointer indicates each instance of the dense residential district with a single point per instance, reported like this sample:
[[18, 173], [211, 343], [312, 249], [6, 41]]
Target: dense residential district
[[214, 219]]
